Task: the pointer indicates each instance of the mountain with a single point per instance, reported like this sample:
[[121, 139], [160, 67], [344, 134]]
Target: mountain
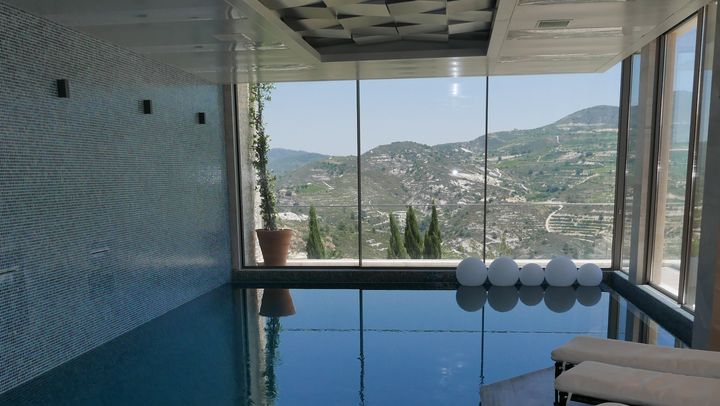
[[597, 116], [283, 160], [550, 191]]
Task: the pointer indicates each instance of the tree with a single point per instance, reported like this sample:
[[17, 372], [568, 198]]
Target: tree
[[413, 240], [432, 246], [396, 250], [314, 244], [504, 248]]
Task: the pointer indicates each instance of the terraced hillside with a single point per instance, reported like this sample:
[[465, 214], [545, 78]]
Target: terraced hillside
[[550, 190]]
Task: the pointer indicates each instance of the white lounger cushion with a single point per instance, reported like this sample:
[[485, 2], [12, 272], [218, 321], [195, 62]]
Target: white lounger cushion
[[638, 386], [643, 356]]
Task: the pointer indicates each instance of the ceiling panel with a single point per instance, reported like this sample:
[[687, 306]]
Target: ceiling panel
[[292, 40], [370, 25]]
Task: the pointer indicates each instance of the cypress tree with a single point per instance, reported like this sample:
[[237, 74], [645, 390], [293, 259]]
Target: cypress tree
[[413, 240], [396, 250], [433, 240], [314, 245]]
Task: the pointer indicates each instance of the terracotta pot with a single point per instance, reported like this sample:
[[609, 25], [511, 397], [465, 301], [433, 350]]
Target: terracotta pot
[[277, 303], [274, 246]]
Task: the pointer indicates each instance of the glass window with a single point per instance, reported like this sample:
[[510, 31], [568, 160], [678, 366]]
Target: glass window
[[551, 166], [551, 159], [672, 150], [313, 156], [701, 154], [631, 178], [422, 149]]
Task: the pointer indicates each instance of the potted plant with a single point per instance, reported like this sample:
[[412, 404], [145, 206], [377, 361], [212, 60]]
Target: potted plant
[[274, 242]]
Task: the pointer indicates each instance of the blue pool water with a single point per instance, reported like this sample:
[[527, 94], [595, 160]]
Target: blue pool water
[[341, 347]]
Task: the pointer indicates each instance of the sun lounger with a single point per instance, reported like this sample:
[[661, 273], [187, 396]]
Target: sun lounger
[[595, 382], [635, 355]]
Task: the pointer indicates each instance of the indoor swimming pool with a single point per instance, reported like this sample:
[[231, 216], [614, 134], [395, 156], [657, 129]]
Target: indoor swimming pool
[[341, 347]]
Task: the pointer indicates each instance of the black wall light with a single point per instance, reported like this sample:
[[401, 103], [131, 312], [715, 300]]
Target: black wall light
[[63, 88], [147, 106], [201, 118]]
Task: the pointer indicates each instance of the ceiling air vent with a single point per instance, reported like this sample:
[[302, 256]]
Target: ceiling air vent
[[555, 2], [565, 33], [553, 23]]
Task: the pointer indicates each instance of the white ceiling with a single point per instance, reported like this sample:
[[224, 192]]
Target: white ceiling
[[228, 41]]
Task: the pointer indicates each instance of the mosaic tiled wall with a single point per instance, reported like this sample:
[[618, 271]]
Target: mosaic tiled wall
[[108, 217]]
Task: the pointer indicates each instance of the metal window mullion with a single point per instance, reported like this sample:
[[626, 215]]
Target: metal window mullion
[[692, 153], [485, 167], [654, 157], [621, 164], [238, 171], [359, 172]]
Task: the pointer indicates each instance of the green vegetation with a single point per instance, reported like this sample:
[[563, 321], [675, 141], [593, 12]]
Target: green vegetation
[[259, 95], [413, 240], [432, 246], [551, 192], [314, 246], [396, 250], [272, 340]]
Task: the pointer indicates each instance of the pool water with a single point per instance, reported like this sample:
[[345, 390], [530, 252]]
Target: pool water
[[341, 347]]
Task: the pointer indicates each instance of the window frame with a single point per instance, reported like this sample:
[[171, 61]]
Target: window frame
[[248, 242], [658, 123]]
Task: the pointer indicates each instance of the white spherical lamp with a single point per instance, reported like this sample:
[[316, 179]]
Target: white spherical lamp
[[588, 295], [532, 275], [561, 271], [471, 298], [503, 272], [471, 272], [589, 275], [531, 295], [503, 298], [560, 299]]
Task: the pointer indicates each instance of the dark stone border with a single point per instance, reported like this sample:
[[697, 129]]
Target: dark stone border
[[330, 277], [671, 316], [305, 277]]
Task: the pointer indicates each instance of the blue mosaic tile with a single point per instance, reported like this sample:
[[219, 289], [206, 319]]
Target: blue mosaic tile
[[108, 217]]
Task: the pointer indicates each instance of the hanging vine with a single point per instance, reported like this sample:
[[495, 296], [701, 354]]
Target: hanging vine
[[259, 94]]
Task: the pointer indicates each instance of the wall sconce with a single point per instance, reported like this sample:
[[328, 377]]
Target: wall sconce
[[147, 106], [63, 88], [201, 118]]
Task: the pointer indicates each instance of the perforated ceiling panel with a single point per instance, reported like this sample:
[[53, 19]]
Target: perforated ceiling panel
[[359, 28]]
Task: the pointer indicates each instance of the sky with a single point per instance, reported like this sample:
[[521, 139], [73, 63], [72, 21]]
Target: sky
[[321, 116]]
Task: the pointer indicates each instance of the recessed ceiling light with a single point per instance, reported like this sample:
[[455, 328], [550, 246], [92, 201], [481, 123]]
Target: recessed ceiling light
[[233, 37], [274, 68], [243, 42], [235, 14], [258, 47]]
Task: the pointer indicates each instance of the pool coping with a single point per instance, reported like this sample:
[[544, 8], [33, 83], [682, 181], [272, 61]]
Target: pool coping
[[672, 317]]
